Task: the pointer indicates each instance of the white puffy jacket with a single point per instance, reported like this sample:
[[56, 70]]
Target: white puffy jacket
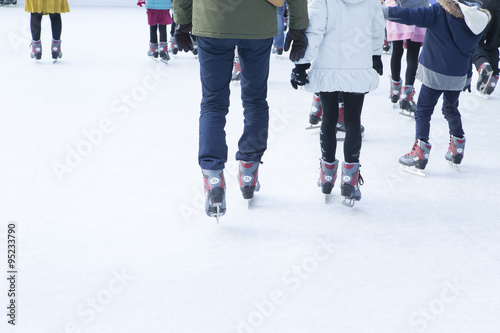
[[343, 35]]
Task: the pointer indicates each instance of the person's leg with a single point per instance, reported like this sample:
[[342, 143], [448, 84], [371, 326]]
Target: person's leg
[[451, 113], [36, 25], [327, 136], [279, 40], [163, 32], [397, 55], [254, 55], [412, 52], [153, 34], [56, 24], [353, 105], [216, 63], [427, 100]]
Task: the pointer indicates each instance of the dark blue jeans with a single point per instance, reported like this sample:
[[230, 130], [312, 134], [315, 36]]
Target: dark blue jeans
[[216, 64], [427, 100]]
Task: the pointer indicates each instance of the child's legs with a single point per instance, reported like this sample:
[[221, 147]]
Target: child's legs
[[36, 25], [56, 23], [353, 105], [412, 51], [153, 35], [451, 113], [327, 136], [163, 32], [397, 54], [427, 100]]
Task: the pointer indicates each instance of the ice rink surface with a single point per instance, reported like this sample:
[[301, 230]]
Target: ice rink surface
[[98, 165]]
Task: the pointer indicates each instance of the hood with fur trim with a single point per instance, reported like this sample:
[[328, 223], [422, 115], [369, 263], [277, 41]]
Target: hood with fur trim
[[451, 7], [476, 18]]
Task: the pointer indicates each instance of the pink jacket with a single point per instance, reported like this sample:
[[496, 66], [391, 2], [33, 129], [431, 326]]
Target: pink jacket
[[398, 31]]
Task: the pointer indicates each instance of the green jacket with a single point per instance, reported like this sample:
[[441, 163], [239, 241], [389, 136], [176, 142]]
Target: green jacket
[[241, 19]]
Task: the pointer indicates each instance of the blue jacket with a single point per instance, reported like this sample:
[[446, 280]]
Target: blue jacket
[[446, 57], [158, 4]]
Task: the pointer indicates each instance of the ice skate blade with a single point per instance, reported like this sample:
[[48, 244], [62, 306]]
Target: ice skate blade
[[482, 95], [313, 127], [348, 202], [217, 214], [406, 113], [454, 166], [412, 170]]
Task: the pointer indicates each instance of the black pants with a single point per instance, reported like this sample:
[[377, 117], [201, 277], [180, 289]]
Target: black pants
[[353, 104], [153, 33], [36, 25], [487, 50], [412, 51]]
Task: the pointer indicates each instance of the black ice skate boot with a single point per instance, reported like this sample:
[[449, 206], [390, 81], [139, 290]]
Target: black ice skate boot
[[163, 51], [56, 49], [215, 195], [351, 180], [248, 177], [406, 103], [492, 83], [485, 73], [316, 110], [36, 49], [173, 46], [395, 91]]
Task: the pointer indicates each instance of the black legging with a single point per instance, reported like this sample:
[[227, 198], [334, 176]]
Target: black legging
[[412, 51], [36, 25], [154, 35], [353, 104]]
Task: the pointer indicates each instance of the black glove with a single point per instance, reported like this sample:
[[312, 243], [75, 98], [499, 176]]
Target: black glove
[[183, 37], [299, 75], [299, 46], [377, 64]]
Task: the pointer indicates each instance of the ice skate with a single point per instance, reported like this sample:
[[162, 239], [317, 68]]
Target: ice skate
[[277, 50], [163, 52], [153, 50], [340, 129], [455, 152], [485, 74], [56, 50], [235, 78], [395, 92], [215, 196], [173, 46], [387, 46], [416, 160], [327, 176], [248, 177], [406, 102], [36, 49], [351, 180], [316, 113], [492, 83]]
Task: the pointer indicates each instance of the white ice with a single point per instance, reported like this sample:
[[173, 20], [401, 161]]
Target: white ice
[[98, 168]]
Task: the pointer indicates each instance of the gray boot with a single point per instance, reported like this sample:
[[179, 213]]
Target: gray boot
[[327, 175], [395, 90], [456, 148], [351, 180], [215, 195]]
